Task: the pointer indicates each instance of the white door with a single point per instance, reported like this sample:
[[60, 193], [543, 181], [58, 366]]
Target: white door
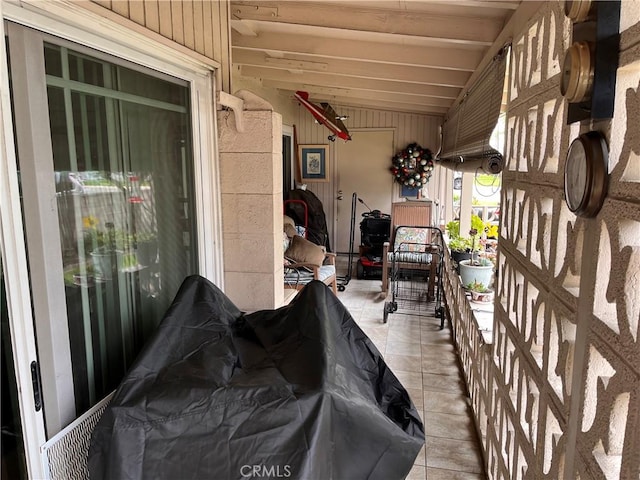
[[362, 167]]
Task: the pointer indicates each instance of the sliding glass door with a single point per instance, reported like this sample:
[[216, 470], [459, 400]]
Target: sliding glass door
[[123, 170], [109, 202]]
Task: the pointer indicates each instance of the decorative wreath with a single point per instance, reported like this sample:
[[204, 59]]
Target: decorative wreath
[[412, 167]]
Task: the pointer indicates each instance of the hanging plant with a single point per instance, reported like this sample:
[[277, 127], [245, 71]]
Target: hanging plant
[[412, 167]]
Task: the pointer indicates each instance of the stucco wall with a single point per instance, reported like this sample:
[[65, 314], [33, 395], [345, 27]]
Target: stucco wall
[[564, 388]]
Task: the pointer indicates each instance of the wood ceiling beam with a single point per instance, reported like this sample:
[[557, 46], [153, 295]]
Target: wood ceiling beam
[[482, 4], [361, 95], [466, 8], [349, 68], [453, 29], [355, 50], [328, 80], [338, 102]]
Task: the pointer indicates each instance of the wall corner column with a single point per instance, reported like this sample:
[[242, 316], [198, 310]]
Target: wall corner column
[[251, 190]]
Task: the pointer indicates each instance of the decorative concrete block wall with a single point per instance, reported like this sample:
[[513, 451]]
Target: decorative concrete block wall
[[473, 348], [251, 187], [565, 400], [556, 395]]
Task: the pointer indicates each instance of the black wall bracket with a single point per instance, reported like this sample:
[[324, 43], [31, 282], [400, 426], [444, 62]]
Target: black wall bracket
[[601, 32]]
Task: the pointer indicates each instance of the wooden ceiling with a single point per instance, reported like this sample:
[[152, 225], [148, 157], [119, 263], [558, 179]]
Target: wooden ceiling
[[403, 55]]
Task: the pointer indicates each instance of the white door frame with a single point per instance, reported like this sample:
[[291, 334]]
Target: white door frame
[[14, 264], [287, 130], [73, 22]]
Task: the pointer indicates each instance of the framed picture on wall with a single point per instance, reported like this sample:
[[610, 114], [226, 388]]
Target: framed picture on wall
[[314, 165]]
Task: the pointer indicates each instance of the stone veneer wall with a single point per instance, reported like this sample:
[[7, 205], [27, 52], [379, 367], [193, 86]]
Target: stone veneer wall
[[557, 394], [251, 188]]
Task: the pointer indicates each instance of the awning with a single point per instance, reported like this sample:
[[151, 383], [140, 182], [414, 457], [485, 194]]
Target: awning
[[468, 125]]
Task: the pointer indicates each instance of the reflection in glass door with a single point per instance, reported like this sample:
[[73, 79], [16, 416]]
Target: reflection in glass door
[[13, 457], [124, 181]]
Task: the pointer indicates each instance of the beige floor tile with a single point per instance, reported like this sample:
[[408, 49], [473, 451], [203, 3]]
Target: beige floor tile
[[353, 302], [421, 459], [374, 330], [401, 319], [443, 383], [406, 363], [433, 326], [440, 368], [381, 345], [403, 348], [365, 317], [424, 359], [447, 425], [417, 473], [374, 302], [409, 380], [403, 334], [439, 354], [442, 474], [434, 339], [443, 402], [372, 316], [417, 397], [454, 455]]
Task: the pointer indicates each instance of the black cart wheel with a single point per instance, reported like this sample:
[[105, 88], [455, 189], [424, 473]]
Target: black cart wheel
[[359, 270], [440, 313], [341, 288], [388, 308]]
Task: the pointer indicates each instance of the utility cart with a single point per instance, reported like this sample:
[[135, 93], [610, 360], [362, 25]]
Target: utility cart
[[415, 272]]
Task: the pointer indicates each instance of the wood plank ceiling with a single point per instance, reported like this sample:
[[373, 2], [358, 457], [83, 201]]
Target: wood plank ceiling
[[403, 55]]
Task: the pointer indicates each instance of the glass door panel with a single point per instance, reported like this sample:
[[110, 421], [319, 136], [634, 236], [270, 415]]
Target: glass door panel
[[123, 168]]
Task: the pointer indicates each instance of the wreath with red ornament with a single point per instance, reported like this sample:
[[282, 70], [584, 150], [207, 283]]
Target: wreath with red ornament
[[412, 167]]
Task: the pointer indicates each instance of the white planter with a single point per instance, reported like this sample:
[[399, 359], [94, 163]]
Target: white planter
[[476, 274]]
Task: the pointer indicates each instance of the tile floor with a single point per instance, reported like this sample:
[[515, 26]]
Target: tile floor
[[422, 357]]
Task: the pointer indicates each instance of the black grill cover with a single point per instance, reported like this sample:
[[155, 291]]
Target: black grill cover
[[299, 392]]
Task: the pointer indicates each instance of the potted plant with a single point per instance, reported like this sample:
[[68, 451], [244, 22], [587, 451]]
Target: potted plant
[[461, 247], [110, 250], [480, 292], [478, 269]]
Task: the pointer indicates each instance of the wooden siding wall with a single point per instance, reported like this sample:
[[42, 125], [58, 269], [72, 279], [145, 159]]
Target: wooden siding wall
[[409, 128], [199, 25]]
